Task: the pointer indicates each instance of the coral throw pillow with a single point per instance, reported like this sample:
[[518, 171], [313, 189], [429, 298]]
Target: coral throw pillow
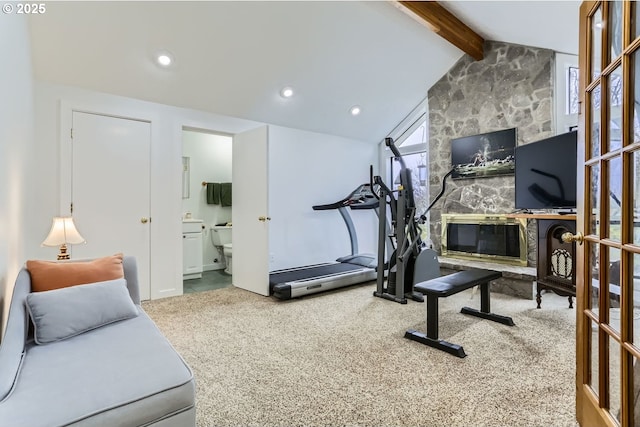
[[49, 275]]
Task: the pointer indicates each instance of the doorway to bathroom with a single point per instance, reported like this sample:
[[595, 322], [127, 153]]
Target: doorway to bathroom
[[206, 210]]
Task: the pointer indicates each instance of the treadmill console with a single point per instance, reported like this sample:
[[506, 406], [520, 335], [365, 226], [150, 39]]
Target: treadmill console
[[362, 198]]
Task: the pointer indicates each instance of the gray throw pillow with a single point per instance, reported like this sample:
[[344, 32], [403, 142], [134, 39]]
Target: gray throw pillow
[[64, 313]]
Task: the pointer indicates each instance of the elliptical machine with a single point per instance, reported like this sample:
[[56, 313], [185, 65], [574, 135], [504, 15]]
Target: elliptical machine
[[407, 264]]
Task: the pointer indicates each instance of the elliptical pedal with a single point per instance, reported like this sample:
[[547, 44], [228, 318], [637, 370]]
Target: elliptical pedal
[[415, 296]]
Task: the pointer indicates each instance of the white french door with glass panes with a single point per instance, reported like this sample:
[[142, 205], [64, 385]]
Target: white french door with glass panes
[[608, 222]]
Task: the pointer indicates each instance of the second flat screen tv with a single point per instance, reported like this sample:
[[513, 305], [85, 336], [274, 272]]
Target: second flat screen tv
[[546, 173]]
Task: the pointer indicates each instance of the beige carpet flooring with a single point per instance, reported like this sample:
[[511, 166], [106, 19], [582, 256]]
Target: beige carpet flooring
[[340, 359]]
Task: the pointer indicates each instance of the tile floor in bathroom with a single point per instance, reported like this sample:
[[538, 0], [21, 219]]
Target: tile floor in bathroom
[[213, 279]]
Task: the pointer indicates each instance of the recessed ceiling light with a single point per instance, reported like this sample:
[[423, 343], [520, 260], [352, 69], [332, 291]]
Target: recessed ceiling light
[[355, 110], [286, 92], [164, 59]]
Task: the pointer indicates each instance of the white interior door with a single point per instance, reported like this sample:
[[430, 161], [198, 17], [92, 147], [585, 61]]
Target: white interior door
[[250, 211], [110, 188]]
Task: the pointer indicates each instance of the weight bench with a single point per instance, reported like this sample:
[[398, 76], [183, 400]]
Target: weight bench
[[444, 286]]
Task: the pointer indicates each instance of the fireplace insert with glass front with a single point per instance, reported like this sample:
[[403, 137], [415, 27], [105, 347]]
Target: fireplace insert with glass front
[[490, 237]]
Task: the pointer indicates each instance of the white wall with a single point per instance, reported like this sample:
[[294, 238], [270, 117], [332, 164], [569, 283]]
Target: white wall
[[16, 151], [53, 106], [307, 169], [210, 158]]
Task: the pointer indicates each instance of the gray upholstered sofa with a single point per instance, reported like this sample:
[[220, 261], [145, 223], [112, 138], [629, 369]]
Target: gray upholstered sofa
[[124, 373]]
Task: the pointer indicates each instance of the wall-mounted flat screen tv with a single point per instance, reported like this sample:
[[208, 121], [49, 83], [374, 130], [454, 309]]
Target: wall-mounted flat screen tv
[[485, 155], [546, 173]]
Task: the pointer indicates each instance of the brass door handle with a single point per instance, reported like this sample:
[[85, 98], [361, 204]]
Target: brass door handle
[[570, 237], [264, 218], [144, 220]]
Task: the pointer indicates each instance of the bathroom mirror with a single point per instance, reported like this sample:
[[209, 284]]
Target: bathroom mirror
[[185, 177]]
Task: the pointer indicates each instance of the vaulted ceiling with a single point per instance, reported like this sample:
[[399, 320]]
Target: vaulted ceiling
[[233, 58]]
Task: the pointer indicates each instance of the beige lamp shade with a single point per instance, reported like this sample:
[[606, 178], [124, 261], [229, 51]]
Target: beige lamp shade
[[63, 231]]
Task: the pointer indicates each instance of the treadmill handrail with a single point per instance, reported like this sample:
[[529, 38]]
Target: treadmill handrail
[[329, 206], [360, 198], [366, 204]]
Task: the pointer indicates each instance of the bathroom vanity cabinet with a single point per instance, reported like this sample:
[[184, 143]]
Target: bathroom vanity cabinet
[[191, 249]]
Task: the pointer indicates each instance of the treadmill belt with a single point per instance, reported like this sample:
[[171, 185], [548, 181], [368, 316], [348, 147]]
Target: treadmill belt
[[310, 272]]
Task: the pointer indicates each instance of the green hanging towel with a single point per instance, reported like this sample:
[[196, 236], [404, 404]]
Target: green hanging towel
[[225, 194], [213, 193]]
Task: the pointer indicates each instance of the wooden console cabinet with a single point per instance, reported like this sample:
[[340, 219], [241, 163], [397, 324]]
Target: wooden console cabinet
[[556, 260], [556, 269]]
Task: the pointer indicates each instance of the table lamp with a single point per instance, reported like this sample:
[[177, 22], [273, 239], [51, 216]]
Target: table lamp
[[63, 231]]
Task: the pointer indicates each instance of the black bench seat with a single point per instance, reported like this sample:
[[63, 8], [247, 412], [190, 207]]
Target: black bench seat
[[457, 282], [445, 286]]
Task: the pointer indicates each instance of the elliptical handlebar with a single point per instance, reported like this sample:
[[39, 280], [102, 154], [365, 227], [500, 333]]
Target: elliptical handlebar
[[392, 146], [423, 217], [371, 181]]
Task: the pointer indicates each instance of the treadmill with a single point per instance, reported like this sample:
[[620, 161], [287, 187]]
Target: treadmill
[[348, 270]]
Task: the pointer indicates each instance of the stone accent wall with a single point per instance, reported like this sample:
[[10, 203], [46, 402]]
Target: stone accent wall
[[511, 87]]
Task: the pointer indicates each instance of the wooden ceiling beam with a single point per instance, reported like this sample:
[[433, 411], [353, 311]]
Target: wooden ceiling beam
[[446, 25]]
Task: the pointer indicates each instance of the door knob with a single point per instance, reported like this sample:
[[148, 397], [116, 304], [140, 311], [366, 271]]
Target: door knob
[[264, 218], [144, 220], [570, 237]]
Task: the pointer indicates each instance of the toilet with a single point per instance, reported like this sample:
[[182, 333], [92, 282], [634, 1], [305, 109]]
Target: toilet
[[221, 239], [227, 257]]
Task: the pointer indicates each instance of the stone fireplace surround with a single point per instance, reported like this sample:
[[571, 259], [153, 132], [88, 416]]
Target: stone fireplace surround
[[511, 87], [516, 281]]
